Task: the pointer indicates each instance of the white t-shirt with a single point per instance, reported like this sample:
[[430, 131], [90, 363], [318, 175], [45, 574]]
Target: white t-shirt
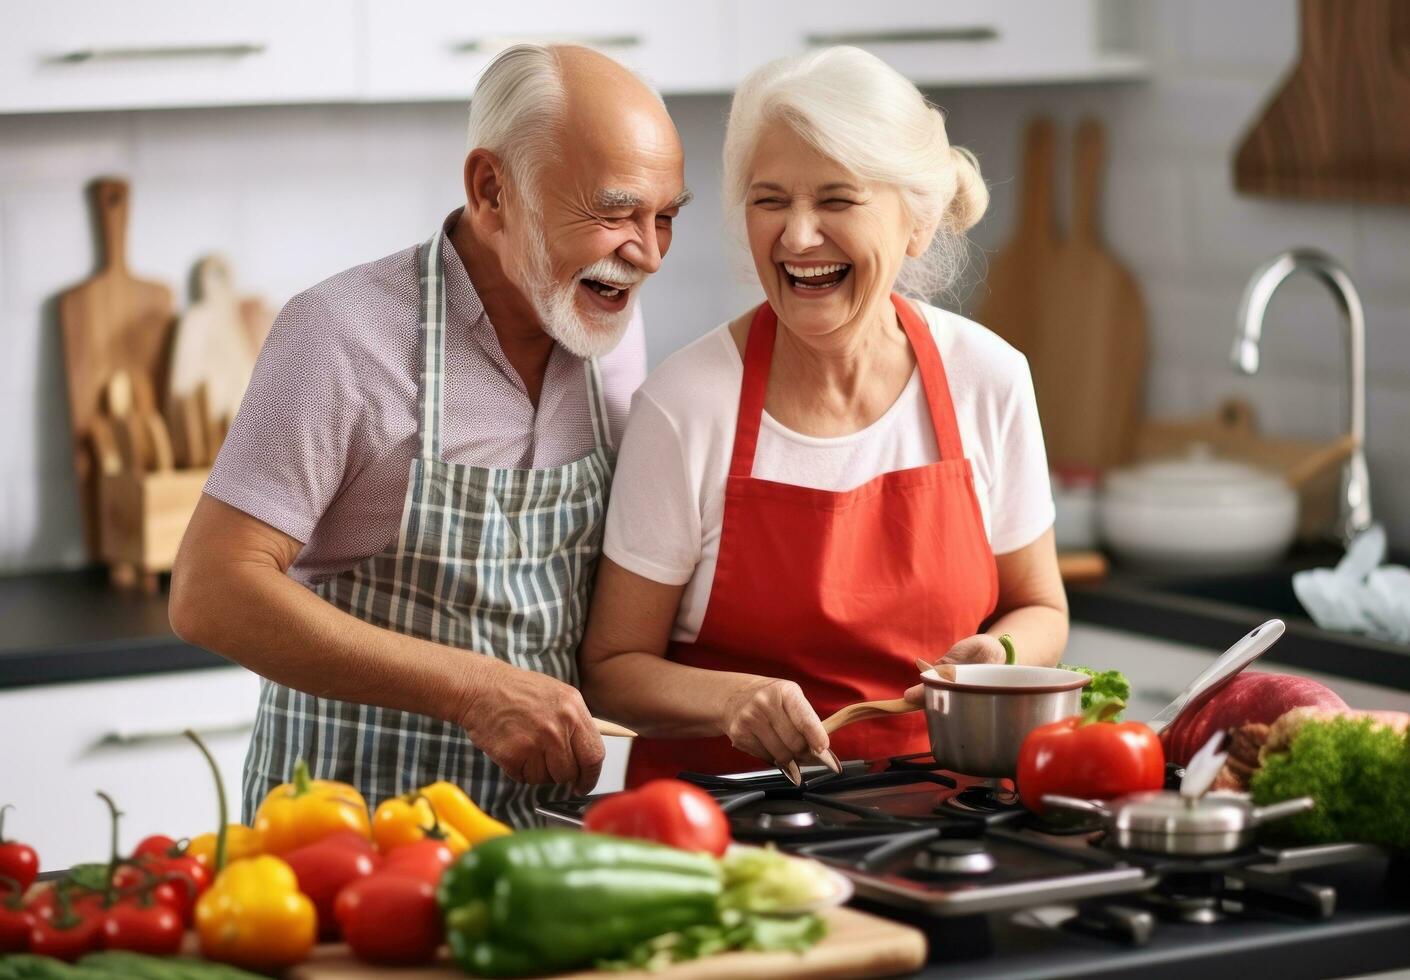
[[667, 505]]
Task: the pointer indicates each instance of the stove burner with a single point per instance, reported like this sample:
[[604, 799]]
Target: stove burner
[[955, 856], [782, 815], [991, 805]]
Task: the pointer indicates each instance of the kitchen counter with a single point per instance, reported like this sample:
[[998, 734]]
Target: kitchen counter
[[72, 626]]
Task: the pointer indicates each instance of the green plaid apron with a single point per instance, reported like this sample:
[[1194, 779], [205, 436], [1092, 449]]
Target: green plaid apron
[[497, 561]]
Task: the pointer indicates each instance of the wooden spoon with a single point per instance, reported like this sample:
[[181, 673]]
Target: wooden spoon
[[612, 728], [863, 710], [1317, 462]]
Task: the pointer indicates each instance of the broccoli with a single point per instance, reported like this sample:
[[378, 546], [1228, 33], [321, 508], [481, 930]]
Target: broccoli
[[1356, 770], [1107, 685]]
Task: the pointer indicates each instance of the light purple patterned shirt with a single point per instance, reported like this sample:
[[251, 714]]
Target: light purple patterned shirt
[[323, 442]]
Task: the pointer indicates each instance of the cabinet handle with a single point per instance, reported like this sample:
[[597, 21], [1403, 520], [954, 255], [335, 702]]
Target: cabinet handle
[[493, 45], [122, 738], [83, 55], [926, 35]]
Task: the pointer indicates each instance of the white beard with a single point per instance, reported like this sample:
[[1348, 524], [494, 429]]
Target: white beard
[[582, 332]]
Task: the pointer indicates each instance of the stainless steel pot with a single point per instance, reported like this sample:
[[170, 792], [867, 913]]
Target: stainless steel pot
[[979, 714], [1164, 822]]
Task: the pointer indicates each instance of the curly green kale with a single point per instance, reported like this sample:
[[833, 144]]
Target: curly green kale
[[1357, 771], [1107, 685]]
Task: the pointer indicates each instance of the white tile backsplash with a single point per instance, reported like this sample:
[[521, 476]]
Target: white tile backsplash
[[294, 194]]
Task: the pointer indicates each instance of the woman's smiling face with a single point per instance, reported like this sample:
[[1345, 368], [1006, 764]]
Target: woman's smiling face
[[827, 245]]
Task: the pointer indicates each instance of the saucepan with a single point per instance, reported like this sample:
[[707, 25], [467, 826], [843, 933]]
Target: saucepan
[[979, 714]]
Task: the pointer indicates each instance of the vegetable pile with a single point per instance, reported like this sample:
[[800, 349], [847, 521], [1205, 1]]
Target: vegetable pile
[[1107, 685], [396, 883]]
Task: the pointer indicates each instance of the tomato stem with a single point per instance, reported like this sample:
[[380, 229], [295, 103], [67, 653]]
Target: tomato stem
[[114, 860], [7, 806], [220, 799]]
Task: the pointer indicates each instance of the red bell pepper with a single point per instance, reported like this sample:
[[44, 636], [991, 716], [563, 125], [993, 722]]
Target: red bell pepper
[[17, 861], [326, 867], [1089, 756], [391, 918], [427, 859], [667, 811]]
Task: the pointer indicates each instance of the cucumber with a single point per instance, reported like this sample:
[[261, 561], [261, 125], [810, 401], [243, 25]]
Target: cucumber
[[28, 966]]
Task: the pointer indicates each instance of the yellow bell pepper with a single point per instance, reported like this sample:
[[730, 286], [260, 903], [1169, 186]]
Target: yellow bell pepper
[[457, 810], [410, 818], [306, 810], [254, 916], [240, 842]]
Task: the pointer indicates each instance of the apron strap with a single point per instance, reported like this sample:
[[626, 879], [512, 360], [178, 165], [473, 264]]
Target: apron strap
[[433, 329], [758, 357], [597, 404], [932, 376]]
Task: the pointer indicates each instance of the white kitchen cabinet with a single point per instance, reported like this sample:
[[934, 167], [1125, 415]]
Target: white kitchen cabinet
[[955, 42], [63, 742], [1159, 669], [82, 54], [436, 49]]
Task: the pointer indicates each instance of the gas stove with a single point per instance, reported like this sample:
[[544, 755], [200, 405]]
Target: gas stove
[[945, 850]]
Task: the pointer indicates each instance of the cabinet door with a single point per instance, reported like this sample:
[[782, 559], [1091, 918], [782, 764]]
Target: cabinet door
[[436, 49], [64, 742], [957, 41], [87, 54]]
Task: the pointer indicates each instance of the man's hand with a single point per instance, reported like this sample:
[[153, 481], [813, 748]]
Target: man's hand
[[537, 729]]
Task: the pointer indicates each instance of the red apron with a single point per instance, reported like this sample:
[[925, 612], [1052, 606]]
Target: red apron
[[837, 591]]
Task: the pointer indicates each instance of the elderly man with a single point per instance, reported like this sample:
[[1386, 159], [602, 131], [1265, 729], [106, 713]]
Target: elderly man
[[400, 531]]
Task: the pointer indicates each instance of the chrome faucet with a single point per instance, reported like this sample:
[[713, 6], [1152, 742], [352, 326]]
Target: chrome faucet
[[1354, 511]]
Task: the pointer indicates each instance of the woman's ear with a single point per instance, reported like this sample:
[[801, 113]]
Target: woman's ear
[[484, 191], [921, 237]]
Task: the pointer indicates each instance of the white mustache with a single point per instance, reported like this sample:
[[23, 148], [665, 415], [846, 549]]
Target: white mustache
[[613, 271]]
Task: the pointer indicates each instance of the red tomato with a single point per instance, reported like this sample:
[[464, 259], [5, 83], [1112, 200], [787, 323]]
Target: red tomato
[[45, 905], [326, 867], [391, 918], [154, 929], [1089, 757], [426, 859], [668, 811], [17, 861], [15, 925], [156, 846], [67, 942], [172, 889]]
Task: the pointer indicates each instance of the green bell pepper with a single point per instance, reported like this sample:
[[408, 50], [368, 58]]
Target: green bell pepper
[[546, 900]]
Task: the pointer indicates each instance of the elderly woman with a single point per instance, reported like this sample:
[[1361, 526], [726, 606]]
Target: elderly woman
[[838, 482]]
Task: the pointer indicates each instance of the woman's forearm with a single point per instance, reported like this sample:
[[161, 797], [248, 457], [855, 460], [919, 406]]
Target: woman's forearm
[[661, 698], [1039, 633]]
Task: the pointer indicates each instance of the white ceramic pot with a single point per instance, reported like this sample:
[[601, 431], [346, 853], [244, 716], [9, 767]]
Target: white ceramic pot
[[1198, 514]]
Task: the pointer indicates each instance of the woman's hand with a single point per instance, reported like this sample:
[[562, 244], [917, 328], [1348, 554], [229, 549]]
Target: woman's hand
[[771, 719], [980, 649]]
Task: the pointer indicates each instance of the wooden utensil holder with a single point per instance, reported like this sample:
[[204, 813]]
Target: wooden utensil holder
[[141, 518]]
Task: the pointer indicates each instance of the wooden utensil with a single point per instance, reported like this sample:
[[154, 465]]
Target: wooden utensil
[[1014, 298], [1339, 128], [106, 454], [1089, 354], [162, 458], [857, 945], [612, 728], [1082, 566], [212, 346], [111, 321], [863, 710], [1316, 463]]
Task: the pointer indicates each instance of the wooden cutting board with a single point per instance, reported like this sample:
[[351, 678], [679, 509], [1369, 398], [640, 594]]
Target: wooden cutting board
[[1089, 357], [1339, 128], [857, 945], [113, 321], [1013, 303], [1073, 309], [212, 345]]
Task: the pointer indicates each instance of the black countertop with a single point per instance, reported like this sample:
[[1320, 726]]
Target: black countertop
[[72, 626]]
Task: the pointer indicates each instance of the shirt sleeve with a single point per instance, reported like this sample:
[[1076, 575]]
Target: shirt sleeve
[[291, 443], [653, 520], [1021, 496]]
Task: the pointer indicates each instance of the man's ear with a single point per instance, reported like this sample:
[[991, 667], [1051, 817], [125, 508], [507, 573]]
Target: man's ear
[[484, 190]]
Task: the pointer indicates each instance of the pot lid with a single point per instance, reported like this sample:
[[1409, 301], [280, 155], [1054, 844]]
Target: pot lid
[[1167, 812], [1198, 478]]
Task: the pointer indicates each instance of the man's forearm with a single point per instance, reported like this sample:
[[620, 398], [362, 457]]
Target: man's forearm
[[263, 620]]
